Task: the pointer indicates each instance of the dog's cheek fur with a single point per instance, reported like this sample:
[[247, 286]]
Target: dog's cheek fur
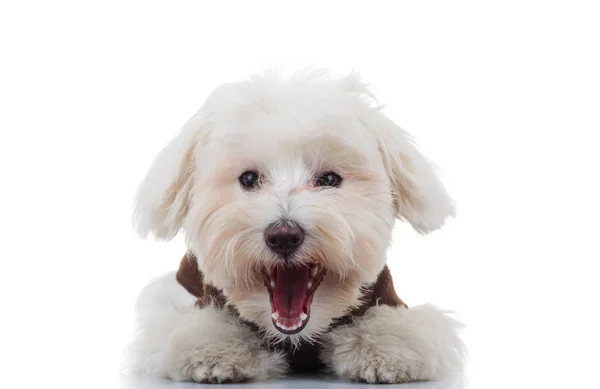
[[351, 227], [396, 344], [368, 211], [225, 232]]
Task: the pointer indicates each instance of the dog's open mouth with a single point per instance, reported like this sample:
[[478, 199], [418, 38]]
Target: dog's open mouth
[[291, 291]]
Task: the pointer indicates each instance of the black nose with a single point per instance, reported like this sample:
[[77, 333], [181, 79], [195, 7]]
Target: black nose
[[284, 237]]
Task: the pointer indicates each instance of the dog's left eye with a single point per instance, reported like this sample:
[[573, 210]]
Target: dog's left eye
[[329, 179], [249, 180]]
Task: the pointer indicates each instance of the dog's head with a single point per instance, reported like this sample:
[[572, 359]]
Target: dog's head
[[287, 191]]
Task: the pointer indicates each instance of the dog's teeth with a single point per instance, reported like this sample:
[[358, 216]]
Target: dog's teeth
[[314, 271], [298, 322], [272, 284], [309, 285]]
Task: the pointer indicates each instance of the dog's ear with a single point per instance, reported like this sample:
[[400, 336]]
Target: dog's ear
[[163, 197], [419, 196]]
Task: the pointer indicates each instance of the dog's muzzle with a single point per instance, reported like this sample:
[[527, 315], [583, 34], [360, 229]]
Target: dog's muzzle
[[291, 286]]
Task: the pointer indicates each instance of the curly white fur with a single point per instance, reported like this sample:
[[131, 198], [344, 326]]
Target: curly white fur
[[392, 345], [179, 341], [288, 131]]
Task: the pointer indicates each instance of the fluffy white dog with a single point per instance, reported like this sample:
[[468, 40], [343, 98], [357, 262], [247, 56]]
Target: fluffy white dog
[[287, 191]]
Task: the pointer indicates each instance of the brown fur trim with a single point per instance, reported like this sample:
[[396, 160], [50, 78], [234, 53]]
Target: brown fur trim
[[382, 292], [304, 358], [192, 279]]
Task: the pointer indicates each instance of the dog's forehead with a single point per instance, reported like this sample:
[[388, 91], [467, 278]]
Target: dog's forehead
[[282, 132], [267, 122], [289, 149]]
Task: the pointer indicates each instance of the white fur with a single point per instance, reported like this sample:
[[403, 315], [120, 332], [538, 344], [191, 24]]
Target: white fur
[[421, 198], [154, 212], [179, 341], [290, 131], [393, 345]]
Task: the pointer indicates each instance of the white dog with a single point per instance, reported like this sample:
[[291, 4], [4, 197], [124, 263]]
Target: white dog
[[287, 191]]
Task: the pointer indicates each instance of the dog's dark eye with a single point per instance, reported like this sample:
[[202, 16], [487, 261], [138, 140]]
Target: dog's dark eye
[[329, 179], [249, 180]]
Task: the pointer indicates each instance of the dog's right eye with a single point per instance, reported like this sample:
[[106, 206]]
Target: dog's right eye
[[249, 180]]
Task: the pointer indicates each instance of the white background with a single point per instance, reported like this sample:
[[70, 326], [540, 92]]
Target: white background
[[504, 96]]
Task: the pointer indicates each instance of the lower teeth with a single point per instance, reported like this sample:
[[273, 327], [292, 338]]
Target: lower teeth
[[275, 316]]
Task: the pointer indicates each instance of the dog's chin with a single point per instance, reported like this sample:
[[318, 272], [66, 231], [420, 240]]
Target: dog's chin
[[291, 291]]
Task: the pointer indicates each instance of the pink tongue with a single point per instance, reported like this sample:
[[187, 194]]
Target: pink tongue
[[290, 290]]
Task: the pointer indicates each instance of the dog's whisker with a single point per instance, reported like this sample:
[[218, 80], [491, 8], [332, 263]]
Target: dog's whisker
[[244, 212]]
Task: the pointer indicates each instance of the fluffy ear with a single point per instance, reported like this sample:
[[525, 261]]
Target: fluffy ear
[[163, 197], [419, 196]]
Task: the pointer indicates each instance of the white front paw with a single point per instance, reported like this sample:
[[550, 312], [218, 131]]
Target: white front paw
[[394, 345], [218, 370], [214, 347], [225, 363], [365, 365]]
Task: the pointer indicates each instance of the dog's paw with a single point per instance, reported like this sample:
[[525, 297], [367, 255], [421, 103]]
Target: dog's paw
[[395, 345], [226, 364], [210, 346], [218, 371], [371, 368]]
